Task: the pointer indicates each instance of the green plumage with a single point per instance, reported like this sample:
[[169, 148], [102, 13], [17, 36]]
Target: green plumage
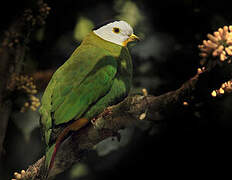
[[98, 74]]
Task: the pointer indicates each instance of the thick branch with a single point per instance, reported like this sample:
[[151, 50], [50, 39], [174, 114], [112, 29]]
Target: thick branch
[[124, 114]]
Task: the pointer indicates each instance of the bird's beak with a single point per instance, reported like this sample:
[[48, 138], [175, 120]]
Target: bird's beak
[[132, 37]]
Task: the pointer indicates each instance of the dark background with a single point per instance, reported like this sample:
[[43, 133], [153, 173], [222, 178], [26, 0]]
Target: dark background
[[186, 141]]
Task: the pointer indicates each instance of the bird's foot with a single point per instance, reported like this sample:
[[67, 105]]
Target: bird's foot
[[107, 112], [94, 120]]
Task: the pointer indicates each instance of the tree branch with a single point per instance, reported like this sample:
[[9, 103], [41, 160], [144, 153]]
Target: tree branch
[[129, 112]]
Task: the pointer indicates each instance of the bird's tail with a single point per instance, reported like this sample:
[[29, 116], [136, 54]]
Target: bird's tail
[[75, 126]]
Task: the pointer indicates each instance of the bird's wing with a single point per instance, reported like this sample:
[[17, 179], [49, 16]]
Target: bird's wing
[[80, 82]]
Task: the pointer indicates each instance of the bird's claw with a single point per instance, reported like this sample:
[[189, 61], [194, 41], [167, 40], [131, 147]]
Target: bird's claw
[[107, 112], [93, 121]]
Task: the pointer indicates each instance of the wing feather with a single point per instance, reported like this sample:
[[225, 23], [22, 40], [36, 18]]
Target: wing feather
[[85, 77], [96, 84]]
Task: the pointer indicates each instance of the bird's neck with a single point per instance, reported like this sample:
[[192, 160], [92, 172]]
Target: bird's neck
[[93, 39]]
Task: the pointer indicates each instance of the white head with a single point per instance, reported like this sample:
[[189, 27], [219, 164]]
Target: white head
[[118, 32]]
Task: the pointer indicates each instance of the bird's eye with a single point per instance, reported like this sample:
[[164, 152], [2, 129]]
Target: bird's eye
[[116, 30]]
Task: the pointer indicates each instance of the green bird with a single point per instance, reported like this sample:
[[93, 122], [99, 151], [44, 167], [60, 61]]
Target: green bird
[[98, 74]]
